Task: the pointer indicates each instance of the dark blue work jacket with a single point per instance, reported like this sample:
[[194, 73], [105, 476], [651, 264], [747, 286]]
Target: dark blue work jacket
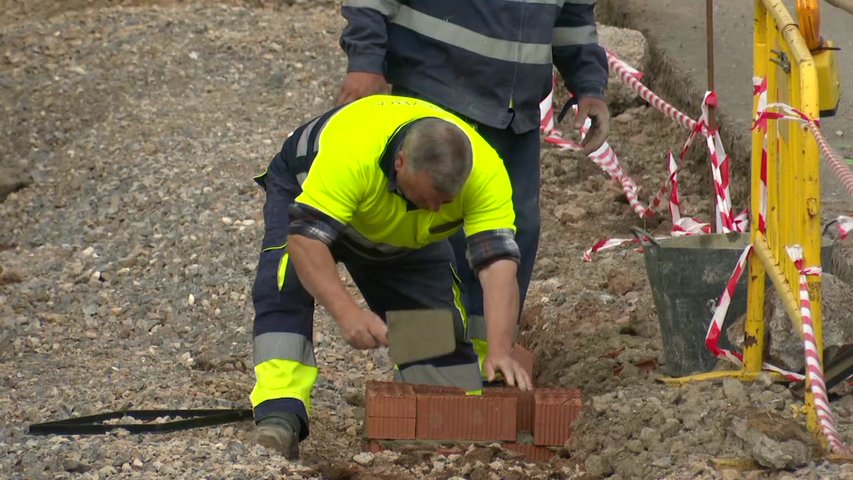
[[488, 60]]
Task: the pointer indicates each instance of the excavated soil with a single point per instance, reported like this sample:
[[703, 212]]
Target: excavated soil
[[126, 266]]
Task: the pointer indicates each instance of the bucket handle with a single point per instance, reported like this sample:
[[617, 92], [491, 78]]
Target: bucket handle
[[644, 237]]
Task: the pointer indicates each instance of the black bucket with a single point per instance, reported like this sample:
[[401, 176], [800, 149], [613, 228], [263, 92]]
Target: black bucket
[[687, 276]]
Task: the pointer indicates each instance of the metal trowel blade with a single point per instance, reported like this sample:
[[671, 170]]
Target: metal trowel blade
[[416, 335]]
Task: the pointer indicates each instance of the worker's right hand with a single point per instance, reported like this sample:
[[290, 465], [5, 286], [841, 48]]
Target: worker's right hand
[[596, 109], [364, 329], [361, 84], [512, 371]]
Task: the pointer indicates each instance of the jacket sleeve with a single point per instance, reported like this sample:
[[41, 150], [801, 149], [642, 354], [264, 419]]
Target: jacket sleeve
[[489, 217], [365, 37], [577, 54]]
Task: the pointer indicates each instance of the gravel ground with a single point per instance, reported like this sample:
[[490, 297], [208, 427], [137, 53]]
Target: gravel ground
[[127, 267]]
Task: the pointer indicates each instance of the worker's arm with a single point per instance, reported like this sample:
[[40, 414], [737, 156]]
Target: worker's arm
[[500, 301], [330, 194], [582, 63], [317, 272], [494, 255], [364, 40]]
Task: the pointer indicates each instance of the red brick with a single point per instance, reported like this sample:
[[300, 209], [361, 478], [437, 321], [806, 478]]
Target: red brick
[[372, 446], [445, 417], [390, 400], [524, 405], [554, 412], [436, 390], [532, 452], [386, 428]]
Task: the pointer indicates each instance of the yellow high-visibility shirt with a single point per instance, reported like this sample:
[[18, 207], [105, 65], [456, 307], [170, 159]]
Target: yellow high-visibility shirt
[[348, 181]]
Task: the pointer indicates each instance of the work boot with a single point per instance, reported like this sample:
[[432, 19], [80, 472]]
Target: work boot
[[280, 434]]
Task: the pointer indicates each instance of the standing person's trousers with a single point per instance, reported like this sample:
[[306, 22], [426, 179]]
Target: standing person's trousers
[[285, 366]]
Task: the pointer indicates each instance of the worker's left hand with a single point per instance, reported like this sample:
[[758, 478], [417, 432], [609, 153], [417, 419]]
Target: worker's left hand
[[513, 373], [359, 85], [596, 109]]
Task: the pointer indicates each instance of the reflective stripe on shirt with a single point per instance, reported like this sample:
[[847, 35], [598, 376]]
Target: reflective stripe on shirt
[[461, 37]]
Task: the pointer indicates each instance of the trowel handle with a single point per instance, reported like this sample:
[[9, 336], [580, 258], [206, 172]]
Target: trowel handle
[[644, 237]]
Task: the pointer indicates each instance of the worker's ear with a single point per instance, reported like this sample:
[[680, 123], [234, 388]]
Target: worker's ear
[[399, 161]]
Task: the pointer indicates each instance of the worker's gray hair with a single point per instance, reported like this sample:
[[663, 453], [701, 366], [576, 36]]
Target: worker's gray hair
[[441, 149]]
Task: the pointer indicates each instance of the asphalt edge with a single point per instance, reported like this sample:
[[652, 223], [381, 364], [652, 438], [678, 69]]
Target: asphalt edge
[[663, 76]]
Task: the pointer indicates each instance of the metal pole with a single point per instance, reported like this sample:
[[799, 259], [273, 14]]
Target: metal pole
[[709, 41], [712, 121]]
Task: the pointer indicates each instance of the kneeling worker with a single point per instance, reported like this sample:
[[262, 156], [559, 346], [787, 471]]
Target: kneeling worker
[[379, 185]]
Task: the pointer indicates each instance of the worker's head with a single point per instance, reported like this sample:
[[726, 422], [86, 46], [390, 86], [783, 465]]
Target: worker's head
[[434, 163]]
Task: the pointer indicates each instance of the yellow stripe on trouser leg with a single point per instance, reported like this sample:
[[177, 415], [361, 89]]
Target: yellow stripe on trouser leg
[[481, 348], [282, 270], [283, 379], [477, 333]]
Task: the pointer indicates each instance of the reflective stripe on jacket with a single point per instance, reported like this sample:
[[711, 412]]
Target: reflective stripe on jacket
[[483, 59]]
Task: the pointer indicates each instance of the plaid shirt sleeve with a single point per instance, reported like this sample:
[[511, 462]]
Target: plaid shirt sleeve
[[491, 245], [312, 223]]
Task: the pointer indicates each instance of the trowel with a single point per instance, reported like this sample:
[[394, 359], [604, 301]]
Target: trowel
[[416, 335]]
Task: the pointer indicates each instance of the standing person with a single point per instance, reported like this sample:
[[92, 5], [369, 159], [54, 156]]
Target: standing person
[[490, 62], [378, 185]]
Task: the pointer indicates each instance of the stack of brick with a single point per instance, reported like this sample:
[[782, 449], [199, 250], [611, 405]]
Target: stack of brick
[[404, 412]]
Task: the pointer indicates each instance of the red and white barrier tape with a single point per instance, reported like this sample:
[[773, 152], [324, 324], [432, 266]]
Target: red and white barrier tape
[[726, 221], [844, 226], [813, 364], [547, 124], [760, 90], [720, 167], [689, 226], [674, 198], [631, 77], [781, 111], [680, 225], [606, 159], [668, 183], [842, 171], [814, 369], [605, 244], [715, 329], [604, 156]]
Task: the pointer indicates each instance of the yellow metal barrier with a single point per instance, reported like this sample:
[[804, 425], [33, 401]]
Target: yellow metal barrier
[[793, 183], [793, 191]]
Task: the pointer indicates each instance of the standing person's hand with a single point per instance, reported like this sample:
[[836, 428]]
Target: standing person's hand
[[512, 371], [361, 84], [363, 330], [596, 109]]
